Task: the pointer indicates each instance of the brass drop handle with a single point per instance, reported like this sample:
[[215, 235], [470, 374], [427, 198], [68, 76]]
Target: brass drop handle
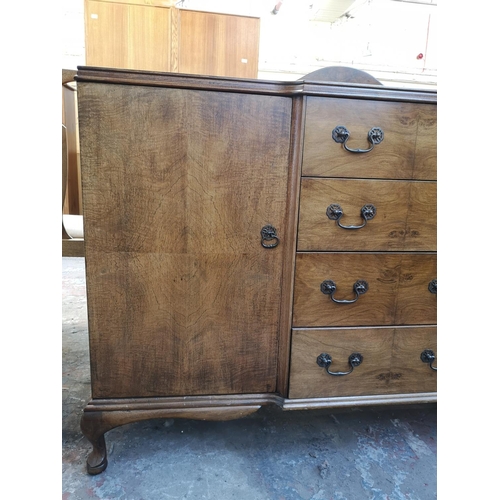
[[335, 212], [325, 360], [329, 287], [269, 233], [340, 134], [428, 356]]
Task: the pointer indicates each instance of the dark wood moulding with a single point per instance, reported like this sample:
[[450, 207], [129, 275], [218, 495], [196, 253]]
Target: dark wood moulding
[[102, 415], [266, 87]]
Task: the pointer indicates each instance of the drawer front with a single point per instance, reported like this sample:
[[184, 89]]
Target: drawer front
[[407, 151], [404, 216], [391, 361], [398, 289]]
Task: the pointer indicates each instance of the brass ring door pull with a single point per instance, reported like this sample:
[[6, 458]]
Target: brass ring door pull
[[340, 134], [335, 212], [269, 233], [328, 287], [325, 360], [428, 356], [433, 286]]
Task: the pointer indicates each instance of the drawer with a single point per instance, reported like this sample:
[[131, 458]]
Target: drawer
[[407, 151], [391, 361], [398, 289], [404, 217]]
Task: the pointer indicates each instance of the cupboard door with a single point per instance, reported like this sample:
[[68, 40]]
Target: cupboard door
[[106, 34], [149, 42], [127, 36], [183, 298], [218, 44]]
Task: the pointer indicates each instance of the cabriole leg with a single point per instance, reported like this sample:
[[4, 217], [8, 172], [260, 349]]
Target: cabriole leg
[[93, 428], [113, 413]]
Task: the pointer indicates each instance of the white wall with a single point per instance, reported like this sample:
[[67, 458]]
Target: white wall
[[73, 34], [384, 38]]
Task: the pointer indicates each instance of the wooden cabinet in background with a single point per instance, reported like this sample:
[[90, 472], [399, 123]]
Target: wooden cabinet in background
[[123, 35], [73, 199], [153, 35], [218, 44]]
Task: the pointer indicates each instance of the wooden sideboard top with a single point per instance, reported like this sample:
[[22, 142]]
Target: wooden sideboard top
[[253, 86]]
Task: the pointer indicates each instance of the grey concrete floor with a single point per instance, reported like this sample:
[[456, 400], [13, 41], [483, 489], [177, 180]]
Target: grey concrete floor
[[372, 453]]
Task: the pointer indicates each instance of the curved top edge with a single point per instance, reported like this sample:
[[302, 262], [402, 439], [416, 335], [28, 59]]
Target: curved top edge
[[68, 75], [254, 86], [341, 74]]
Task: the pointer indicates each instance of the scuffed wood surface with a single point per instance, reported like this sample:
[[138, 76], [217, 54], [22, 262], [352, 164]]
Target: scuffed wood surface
[[406, 216], [182, 297], [408, 150], [391, 361], [397, 295]]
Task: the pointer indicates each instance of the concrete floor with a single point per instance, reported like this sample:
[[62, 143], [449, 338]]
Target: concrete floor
[[376, 454]]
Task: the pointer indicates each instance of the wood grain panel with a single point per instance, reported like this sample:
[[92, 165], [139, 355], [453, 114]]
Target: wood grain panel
[[397, 291], [218, 44], [415, 304], [410, 374], [391, 361], [421, 222], [376, 307], [426, 144], [372, 376], [106, 34], [174, 40], [73, 202], [289, 250], [386, 231], [157, 3], [149, 38], [128, 36], [405, 218], [393, 158], [177, 186]]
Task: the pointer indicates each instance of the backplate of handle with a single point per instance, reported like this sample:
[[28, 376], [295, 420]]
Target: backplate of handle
[[340, 134], [324, 360], [335, 212], [428, 356], [269, 237], [329, 287]]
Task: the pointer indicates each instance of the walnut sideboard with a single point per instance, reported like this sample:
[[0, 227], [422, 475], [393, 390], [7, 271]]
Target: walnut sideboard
[[255, 242]]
